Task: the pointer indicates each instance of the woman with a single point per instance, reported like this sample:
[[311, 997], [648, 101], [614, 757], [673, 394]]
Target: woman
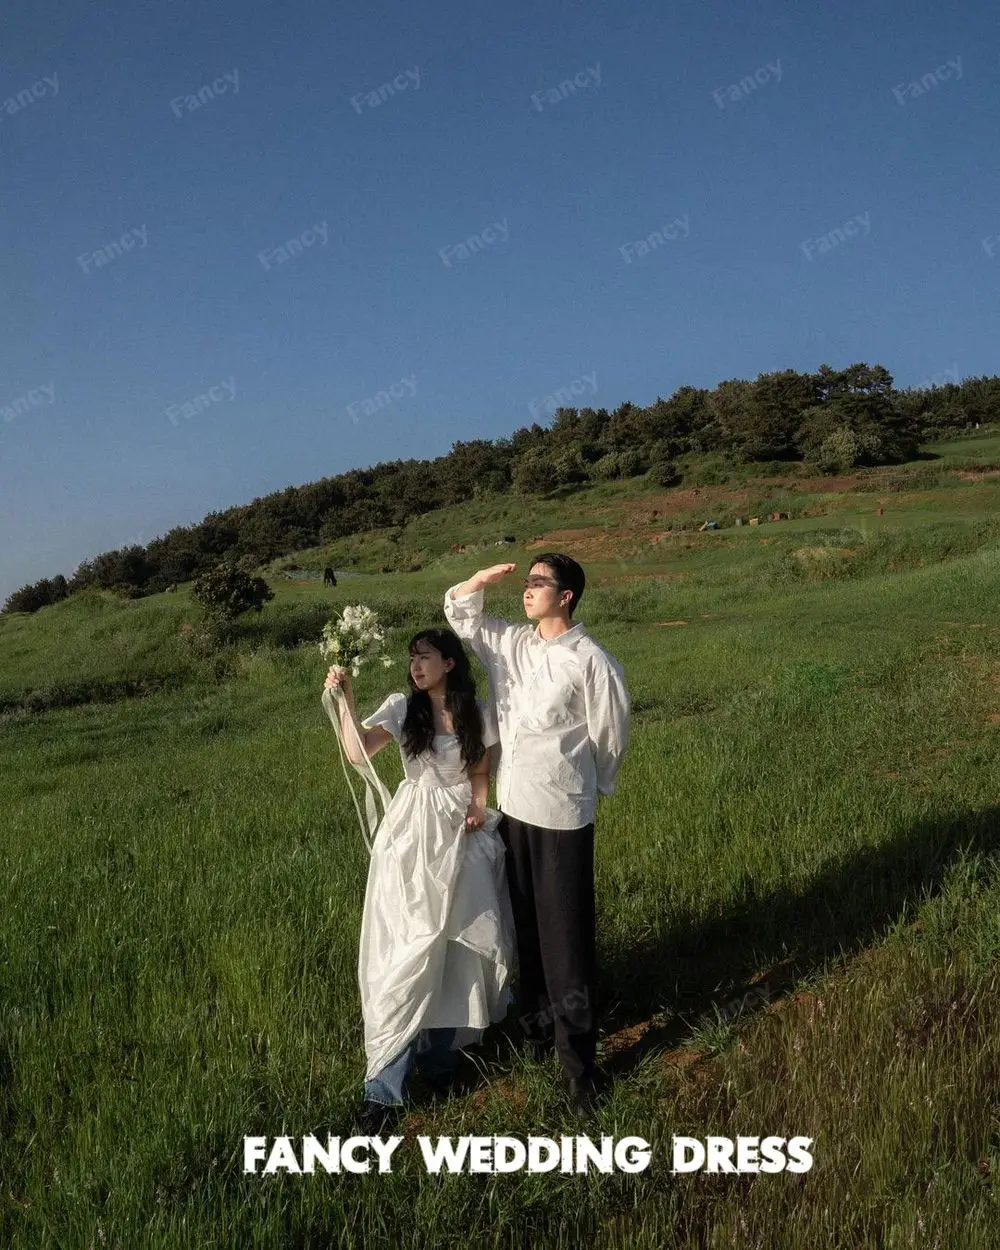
[[437, 947]]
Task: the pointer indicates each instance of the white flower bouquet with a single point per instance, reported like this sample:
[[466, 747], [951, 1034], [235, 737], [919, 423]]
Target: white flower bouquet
[[354, 638]]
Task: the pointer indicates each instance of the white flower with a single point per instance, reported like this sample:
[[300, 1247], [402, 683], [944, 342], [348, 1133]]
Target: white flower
[[354, 638]]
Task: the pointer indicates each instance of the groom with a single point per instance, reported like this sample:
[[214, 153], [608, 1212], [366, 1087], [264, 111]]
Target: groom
[[563, 712]]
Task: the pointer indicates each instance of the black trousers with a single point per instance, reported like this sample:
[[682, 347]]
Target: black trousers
[[550, 873]]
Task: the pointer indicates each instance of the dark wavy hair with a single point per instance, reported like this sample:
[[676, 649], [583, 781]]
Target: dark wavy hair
[[460, 700], [566, 573]]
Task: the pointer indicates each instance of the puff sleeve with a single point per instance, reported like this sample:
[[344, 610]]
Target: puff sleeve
[[390, 715]]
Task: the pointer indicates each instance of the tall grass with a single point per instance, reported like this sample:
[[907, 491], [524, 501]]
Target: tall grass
[[798, 915]]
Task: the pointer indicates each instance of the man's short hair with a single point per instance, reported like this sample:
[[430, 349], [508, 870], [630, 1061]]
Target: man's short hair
[[567, 574]]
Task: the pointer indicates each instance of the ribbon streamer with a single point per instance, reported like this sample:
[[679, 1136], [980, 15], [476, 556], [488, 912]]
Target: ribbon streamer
[[365, 769]]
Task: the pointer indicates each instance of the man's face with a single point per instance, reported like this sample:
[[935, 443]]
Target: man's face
[[541, 597]]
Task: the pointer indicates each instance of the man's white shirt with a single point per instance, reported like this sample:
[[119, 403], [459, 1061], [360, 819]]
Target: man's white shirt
[[562, 710]]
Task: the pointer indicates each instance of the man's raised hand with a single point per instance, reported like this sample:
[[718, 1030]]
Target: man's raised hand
[[486, 577], [483, 578]]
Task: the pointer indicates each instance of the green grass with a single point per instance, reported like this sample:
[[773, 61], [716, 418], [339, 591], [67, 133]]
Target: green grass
[[799, 903]]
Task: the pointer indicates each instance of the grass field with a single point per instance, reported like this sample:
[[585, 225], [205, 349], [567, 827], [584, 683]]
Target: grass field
[[798, 890]]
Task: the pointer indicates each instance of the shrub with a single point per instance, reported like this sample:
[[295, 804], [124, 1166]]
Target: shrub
[[570, 468], [41, 594], [227, 591], [664, 472], [618, 464], [535, 474]]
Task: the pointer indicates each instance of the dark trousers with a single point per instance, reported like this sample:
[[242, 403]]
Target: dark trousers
[[550, 873]]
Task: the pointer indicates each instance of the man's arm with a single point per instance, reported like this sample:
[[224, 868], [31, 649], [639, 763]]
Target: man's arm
[[609, 708], [463, 608]]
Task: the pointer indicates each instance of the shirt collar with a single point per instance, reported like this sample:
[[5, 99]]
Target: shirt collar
[[571, 635]]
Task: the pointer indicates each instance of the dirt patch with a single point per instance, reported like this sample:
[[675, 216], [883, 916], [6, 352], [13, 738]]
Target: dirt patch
[[975, 475], [826, 485], [670, 622], [691, 1063], [563, 536], [625, 1039], [511, 1093]]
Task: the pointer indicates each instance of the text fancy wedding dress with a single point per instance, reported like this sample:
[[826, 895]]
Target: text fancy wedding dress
[[437, 936]]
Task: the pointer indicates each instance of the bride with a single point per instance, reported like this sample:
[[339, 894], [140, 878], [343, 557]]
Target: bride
[[437, 945]]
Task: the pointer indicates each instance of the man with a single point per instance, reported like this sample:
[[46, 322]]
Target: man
[[563, 713]]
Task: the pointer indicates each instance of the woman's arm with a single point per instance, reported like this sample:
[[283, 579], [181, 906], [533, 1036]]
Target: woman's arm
[[373, 740], [480, 778]]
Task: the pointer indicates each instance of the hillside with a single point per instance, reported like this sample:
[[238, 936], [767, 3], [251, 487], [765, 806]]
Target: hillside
[[797, 884]]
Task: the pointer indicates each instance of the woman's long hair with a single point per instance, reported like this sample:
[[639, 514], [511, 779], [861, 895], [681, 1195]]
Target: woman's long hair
[[459, 699]]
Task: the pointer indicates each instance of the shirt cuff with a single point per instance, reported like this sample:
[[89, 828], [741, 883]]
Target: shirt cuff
[[458, 598]]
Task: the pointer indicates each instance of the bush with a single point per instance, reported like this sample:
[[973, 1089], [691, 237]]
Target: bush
[[40, 595], [711, 470], [618, 464], [227, 591], [570, 468], [664, 472], [535, 474]]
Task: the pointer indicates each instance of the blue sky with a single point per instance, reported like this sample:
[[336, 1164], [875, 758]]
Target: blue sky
[[157, 160]]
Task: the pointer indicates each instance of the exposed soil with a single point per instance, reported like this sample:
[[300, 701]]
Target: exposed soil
[[632, 524], [826, 485]]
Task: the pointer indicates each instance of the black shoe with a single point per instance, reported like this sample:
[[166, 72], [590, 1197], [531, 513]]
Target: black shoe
[[375, 1118], [583, 1093]]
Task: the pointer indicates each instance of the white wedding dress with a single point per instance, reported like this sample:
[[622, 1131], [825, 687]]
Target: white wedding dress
[[437, 936]]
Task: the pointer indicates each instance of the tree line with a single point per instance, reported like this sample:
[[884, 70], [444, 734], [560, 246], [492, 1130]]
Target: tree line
[[835, 419]]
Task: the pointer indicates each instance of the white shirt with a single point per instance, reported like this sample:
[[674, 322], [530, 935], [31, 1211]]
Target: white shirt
[[562, 711]]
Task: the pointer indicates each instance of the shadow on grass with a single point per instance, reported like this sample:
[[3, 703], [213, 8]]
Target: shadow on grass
[[757, 951], [706, 970]]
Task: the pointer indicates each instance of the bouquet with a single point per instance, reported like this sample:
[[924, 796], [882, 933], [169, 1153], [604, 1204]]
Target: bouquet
[[352, 639]]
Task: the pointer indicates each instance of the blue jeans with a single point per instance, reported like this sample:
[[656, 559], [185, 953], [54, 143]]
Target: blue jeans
[[387, 1086]]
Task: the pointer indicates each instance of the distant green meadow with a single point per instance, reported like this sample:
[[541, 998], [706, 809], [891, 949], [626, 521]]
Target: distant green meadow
[[798, 896]]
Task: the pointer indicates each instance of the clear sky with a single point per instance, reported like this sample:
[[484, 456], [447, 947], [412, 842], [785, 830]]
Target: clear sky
[[465, 232]]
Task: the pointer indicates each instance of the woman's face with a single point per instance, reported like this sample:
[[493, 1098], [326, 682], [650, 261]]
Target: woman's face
[[428, 667]]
